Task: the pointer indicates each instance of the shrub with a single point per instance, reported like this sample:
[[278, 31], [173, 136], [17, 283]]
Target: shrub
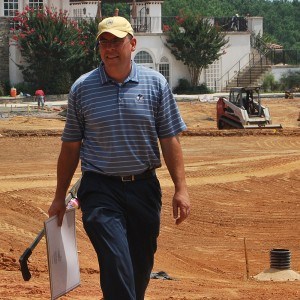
[[200, 89], [184, 87], [4, 88], [61, 83], [290, 80], [2, 93], [269, 83], [25, 88]]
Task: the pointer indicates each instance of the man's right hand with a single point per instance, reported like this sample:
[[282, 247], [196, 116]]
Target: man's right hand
[[57, 208], [67, 163]]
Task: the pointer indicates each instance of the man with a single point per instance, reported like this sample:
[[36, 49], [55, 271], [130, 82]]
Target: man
[[40, 96], [235, 22], [116, 115]]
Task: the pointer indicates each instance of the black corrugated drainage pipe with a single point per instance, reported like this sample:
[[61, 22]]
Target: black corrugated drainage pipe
[[280, 259]]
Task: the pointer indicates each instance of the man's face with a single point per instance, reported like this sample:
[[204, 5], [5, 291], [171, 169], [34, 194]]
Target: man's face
[[116, 52]]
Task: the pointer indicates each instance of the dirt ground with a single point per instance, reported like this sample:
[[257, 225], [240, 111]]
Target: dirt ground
[[244, 188]]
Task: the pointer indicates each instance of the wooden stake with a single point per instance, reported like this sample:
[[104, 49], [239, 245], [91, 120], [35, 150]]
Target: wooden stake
[[246, 258]]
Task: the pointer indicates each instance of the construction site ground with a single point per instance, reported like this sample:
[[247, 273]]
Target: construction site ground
[[245, 199]]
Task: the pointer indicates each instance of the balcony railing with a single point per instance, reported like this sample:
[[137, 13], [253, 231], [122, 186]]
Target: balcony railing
[[231, 24], [284, 57], [224, 23], [146, 24], [163, 24]]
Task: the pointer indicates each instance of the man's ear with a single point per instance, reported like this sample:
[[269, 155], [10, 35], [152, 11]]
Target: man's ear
[[133, 44]]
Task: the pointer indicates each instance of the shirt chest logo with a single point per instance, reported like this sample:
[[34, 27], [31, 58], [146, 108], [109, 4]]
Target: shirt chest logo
[[140, 98]]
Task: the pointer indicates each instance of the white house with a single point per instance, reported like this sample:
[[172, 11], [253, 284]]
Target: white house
[[147, 21]]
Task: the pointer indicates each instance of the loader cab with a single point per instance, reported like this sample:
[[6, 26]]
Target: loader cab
[[235, 96], [246, 98]]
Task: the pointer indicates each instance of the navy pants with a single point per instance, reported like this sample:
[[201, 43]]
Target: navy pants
[[122, 220]]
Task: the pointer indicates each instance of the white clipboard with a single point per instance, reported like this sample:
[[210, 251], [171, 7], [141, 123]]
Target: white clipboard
[[63, 264]]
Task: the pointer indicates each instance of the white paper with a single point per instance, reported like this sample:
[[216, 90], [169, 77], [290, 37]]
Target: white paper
[[62, 254]]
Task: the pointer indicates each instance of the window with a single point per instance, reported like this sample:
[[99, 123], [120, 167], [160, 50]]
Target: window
[[145, 59], [212, 75], [164, 68], [77, 13], [10, 7], [36, 3]]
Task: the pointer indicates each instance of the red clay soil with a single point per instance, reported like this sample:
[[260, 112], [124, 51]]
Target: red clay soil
[[243, 185]]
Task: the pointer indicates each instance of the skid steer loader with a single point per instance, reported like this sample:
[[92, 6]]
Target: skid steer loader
[[243, 110]]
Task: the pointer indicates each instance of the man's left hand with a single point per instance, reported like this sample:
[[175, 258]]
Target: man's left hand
[[181, 206]]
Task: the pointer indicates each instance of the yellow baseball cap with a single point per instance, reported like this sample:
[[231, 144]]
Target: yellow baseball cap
[[117, 26]]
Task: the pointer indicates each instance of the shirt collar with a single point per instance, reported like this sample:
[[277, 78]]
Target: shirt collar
[[133, 76]]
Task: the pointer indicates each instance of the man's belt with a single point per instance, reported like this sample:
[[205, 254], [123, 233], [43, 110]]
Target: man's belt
[[127, 178], [144, 175]]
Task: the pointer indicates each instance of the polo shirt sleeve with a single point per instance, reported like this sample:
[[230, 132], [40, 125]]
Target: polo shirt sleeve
[[73, 130], [169, 121]]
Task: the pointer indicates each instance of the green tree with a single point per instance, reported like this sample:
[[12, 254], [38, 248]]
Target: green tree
[[108, 9], [51, 46], [91, 58], [197, 43]]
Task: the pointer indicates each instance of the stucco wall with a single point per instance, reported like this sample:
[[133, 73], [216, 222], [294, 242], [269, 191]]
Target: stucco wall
[[88, 9], [64, 5], [4, 52], [15, 58], [255, 24], [154, 44], [278, 71]]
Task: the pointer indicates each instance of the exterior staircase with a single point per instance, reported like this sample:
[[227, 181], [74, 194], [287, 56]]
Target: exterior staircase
[[252, 74]]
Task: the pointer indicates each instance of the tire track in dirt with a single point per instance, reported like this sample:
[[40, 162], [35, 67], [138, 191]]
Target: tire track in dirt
[[30, 181], [226, 171], [13, 230], [13, 185], [279, 144], [269, 171]]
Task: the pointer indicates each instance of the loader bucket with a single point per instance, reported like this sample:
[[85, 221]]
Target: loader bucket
[[268, 126]]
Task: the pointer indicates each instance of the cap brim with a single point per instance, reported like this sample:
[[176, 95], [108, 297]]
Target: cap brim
[[117, 33]]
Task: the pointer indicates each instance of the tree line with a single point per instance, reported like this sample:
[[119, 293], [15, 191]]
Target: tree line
[[281, 17]]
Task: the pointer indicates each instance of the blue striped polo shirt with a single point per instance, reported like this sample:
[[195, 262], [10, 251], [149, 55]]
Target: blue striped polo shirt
[[119, 124]]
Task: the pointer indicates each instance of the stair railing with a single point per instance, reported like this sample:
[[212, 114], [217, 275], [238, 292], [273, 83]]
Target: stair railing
[[247, 61]]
